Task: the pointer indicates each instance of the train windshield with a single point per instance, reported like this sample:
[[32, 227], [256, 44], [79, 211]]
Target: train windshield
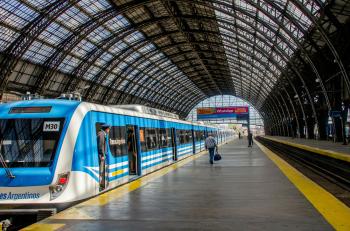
[[29, 142]]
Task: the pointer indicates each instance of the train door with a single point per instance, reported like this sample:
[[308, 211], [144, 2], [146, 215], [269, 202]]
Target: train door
[[102, 159], [132, 149], [173, 142], [194, 138]]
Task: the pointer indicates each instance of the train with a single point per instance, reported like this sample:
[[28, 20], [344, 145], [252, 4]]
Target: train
[[49, 153]]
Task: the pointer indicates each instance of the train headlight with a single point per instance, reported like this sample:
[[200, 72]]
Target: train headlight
[[61, 184]]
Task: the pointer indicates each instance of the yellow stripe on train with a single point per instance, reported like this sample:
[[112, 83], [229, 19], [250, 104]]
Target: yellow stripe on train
[[118, 172]]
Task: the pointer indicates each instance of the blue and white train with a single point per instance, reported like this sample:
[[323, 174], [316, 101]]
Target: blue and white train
[[49, 148]]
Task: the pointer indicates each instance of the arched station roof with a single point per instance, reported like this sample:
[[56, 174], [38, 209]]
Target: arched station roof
[[171, 54]]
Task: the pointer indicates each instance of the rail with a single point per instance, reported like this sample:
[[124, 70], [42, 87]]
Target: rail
[[335, 170]]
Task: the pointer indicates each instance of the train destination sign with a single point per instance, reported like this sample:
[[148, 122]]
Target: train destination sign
[[214, 113]]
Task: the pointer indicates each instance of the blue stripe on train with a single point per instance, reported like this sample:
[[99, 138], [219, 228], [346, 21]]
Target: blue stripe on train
[[155, 158], [156, 163], [119, 168]]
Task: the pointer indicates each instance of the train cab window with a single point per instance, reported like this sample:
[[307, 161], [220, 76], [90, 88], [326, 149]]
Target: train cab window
[[29, 142], [117, 142]]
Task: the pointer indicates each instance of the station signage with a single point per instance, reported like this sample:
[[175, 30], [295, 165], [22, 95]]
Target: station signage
[[215, 113]]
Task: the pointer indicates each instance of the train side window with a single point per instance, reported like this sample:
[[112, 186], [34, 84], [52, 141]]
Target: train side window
[[163, 139], [189, 136], [143, 140], [151, 138], [180, 137], [169, 138], [198, 136], [117, 142], [184, 136]]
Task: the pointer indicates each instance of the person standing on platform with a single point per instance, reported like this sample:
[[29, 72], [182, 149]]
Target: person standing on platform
[[210, 144], [102, 142], [239, 135], [250, 139]]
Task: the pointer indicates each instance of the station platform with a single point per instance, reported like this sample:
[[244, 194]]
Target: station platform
[[322, 147], [249, 189]]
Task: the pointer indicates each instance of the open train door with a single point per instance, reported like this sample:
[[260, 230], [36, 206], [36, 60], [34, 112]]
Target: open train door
[[194, 138], [133, 153], [174, 143]]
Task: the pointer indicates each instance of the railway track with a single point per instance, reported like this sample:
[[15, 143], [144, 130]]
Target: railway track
[[335, 171]]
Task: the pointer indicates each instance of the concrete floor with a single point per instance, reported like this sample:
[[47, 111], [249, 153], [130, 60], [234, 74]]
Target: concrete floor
[[244, 191]]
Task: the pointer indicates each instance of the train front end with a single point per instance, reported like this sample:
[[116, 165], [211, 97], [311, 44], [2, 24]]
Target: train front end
[[31, 136]]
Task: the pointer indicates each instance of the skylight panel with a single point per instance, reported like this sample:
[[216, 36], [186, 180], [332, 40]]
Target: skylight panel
[[73, 18], [109, 79], [119, 46], [6, 37], [147, 48], [69, 64], [245, 6], [16, 14], [122, 84], [93, 6], [39, 4], [295, 12], [132, 57], [83, 48], [133, 38], [117, 23], [38, 52], [104, 58], [54, 34], [122, 65], [99, 34], [117, 71], [92, 71]]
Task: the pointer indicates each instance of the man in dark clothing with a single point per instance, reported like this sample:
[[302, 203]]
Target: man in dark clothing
[[102, 143], [250, 139], [210, 144]]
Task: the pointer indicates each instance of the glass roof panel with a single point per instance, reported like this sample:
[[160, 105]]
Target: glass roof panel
[[69, 64], [92, 6], [15, 13], [73, 18], [259, 37], [6, 37], [257, 32]]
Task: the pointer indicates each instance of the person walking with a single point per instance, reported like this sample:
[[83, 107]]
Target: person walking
[[250, 139], [102, 142], [210, 144]]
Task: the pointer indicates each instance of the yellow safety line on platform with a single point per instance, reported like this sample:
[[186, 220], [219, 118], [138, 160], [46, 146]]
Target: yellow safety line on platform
[[329, 153], [77, 212], [43, 227], [333, 210]]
